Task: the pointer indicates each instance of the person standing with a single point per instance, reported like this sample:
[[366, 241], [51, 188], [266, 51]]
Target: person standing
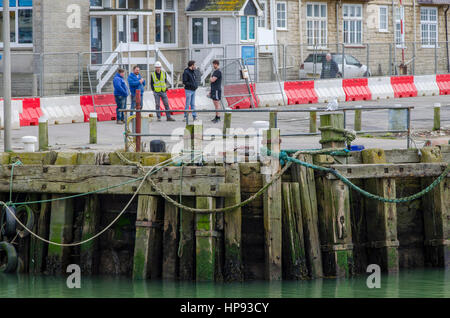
[[216, 89], [136, 81], [329, 67], [190, 86], [120, 94], [158, 83]]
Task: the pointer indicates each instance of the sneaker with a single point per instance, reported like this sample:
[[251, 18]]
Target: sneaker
[[118, 122], [159, 119], [170, 119], [216, 120]]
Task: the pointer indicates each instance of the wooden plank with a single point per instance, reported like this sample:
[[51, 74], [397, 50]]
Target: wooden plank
[[329, 137], [233, 227], [89, 259], [436, 213], [205, 240], [335, 228], [170, 241], [381, 218], [294, 256], [371, 171], [187, 240], [272, 210], [61, 229], [43, 228], [33, 240], [147, 249], [306, 180]]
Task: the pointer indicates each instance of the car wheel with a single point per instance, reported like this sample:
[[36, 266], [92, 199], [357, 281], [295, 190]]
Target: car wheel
[[367, 74]]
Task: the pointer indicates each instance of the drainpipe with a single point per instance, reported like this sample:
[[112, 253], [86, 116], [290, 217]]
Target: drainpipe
[[415, 38], [446, 39], [273, 24], [300, 29], [395, 45], [337, 26]]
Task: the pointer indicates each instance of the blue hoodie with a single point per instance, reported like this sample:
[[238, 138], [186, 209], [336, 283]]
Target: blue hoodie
[[120, 87], [133, 82]]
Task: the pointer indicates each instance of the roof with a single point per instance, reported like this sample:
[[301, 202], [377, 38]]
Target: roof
[[434, 2], [215, 5]]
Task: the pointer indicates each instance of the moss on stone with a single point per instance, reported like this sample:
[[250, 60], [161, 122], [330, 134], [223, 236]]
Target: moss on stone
[[66, 158], [373, 156]]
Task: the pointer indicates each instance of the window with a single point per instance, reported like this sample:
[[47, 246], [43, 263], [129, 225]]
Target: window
[[383, 19], [97, 3], [281, 15], [197, 30], [399, 24], [352, 14], [248, 26], [129, 28], [212, 31], [21, 22], [316, 24], [262, 21], [165, 21], [428, 26]]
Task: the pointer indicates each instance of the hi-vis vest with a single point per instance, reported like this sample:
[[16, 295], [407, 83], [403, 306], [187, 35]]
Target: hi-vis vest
[[159, 85]]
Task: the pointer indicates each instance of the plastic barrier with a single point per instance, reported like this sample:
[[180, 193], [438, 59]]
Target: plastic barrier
[[443, 82], [202, 100], [87, 106], [148, 103], [16, 110], [270, 94], [31, 111], [241, 101], [55, 110], [177, 99], [105, 106], [426, 85], [300, 92], [381, 88], [403, 86], [329, 89], [356, 89]]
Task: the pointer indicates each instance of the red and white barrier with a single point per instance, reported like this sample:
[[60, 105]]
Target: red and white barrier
[[328, 90], [381, 88], [426, 85]]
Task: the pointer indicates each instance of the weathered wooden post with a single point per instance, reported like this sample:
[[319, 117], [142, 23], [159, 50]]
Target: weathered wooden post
[[312, 122], [436, 214], [187, 240], [437, 117], [205, 235], [334, 207], [138, 120], [43, 133], [93, 128], [272, 206], [147, 249], [358, 121], [294, 256], [40, 248], [61, 221], [381, 217], [170, 241], [91, 221], [233, 227]]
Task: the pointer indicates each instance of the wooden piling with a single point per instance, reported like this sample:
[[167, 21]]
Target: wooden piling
[[294, 256], [170, 241], [335, 228], [436, 212], [312, 122], [272, 209], [358, 121], [226, 122], [91, 223], [381, 217], [437, 117], [205, 235], [330, 137], [307, 187], [187, 240], [93, 128], [233, 227], [61, 223], [147, 249], [40, 248], [43, 133]]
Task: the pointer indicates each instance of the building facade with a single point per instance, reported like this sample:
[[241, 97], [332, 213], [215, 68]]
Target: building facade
[[74, 46]]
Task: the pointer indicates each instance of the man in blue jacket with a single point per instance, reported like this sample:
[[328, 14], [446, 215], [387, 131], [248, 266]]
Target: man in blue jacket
[[120, 94], [135, 81]]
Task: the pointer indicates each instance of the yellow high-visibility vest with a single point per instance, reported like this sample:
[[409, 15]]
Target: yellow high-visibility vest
[[159, 85]]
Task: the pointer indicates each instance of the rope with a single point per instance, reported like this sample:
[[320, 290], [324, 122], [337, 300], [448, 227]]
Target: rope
[[150, 172]]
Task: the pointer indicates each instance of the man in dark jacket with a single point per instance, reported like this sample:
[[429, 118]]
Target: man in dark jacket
[[329, 68], [190, 86], [135, 81], [120, 94]]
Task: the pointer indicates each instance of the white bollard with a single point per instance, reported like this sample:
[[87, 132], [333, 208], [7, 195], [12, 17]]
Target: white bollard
[[30, 143]]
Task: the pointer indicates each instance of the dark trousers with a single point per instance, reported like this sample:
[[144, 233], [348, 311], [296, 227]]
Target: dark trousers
[[158, 97], [121, 102]]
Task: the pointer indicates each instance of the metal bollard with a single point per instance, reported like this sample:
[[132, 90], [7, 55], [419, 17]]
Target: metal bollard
[[43, 133], [93, 128]]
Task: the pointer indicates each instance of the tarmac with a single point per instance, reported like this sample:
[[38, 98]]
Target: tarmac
[[75, 137]]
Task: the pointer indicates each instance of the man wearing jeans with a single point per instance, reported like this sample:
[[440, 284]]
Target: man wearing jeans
[[120, 94], [190, 86], [135, 81]]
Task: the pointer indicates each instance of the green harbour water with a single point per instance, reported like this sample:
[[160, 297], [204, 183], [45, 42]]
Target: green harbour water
[[407, 283]]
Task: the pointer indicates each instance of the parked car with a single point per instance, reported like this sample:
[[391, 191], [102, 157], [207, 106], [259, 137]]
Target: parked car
[[312, 67]]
